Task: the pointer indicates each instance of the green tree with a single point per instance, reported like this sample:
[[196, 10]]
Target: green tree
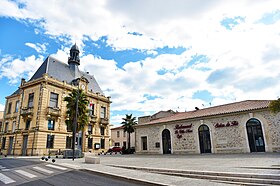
[[128, 124], [77, 95], [274, 106]]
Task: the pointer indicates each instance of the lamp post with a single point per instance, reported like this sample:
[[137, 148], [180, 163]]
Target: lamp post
[[75, 125], [49, 144]]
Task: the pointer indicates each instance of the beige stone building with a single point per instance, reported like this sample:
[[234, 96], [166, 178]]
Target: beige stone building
[[35, 114], [240, 127], [120, 138], [1, 124], [1, 118]]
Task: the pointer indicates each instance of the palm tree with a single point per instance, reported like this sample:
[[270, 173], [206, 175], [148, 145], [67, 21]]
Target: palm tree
[[77, 112], [128, 125], [274, 106]]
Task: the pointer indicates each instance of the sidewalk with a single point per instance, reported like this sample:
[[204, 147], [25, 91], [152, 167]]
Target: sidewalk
[[117, 165]]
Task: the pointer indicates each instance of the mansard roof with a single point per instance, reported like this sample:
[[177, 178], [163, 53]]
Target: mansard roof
[[62, 72]]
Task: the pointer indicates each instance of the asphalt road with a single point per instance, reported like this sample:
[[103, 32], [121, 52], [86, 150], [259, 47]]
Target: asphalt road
[[36, 172], [16, 163]]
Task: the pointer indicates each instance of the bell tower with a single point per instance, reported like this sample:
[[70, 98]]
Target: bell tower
[[74, 60], [74, 55]]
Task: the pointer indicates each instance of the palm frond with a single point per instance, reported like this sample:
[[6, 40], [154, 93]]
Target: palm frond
[[82, 108]]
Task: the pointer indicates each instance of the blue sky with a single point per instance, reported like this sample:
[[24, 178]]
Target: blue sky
[[149, 55]]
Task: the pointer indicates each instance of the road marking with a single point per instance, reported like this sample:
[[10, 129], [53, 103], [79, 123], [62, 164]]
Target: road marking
[[70, 165], [56, 167], [6, 179], [24, 173], [43, 170]]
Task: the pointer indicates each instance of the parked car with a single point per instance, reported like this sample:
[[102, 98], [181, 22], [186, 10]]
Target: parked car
[[115, 149], [129, 151]]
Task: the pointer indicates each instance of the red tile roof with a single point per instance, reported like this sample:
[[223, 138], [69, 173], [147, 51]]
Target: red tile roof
[[116, 128], [216, 110]]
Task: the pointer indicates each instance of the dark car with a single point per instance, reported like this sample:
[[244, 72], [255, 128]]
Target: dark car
[[115, 149]]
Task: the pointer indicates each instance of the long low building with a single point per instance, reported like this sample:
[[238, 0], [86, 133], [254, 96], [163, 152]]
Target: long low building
[[240, 127]]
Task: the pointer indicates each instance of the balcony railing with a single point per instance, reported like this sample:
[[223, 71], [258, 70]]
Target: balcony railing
[[35, 128], [92, 118], [104, 121], [17, 131], [53, 112], [27, 111]]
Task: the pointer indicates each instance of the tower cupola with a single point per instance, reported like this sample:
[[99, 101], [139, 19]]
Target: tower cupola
[[74, 55], [74, 60]]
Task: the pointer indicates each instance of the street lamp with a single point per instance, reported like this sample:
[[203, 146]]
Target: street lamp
[[75, 124], [49, 141]]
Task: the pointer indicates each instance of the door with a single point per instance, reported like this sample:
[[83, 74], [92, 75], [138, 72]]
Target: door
[[79, 140], [255, 136], [24, 145], [10, 149], [166, 142], [204, 139]]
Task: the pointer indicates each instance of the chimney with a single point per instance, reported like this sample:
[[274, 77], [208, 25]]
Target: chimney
[[22, 81]]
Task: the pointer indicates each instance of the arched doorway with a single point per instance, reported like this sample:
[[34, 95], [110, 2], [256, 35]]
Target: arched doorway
[[255, 135], [204, 139], [166, 141]]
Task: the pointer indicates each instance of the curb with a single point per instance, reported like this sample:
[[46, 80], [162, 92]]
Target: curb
[[112, 175], [211, 173], [130, 179], [248, 178]]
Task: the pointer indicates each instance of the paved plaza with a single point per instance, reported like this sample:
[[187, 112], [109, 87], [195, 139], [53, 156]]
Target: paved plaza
[[146, 167]]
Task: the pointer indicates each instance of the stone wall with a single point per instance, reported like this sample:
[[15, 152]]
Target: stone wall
[[228, 133]]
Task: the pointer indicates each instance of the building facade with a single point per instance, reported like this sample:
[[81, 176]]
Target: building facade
[[1, 124], [35, 114], [120, 138], [241, 127]]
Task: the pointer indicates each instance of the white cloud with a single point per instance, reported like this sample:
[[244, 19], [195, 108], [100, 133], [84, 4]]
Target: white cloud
[[14, 69], [129, 86], [117, 119], [12, 9], [243, 62], [40, 48], [2, 107]]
